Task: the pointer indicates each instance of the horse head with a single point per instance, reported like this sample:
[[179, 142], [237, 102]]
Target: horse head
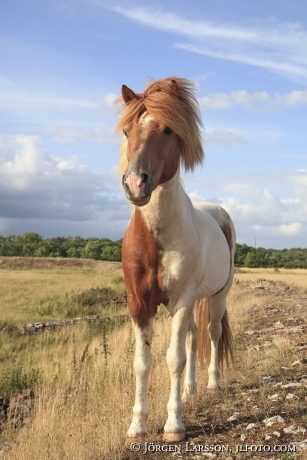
[[152, 148]]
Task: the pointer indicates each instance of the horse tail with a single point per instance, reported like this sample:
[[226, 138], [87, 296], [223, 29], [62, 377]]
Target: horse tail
[[202, 320]]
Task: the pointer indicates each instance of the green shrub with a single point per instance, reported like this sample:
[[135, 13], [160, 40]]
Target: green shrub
[[14, 380]]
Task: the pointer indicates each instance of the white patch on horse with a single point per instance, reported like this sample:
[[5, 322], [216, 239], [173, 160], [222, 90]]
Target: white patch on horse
[[145, 118]]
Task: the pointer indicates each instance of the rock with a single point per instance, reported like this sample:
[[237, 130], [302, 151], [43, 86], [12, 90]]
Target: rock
[[302, 347], [91, 317], [278, 325], [268, 381], [243, 437], [294, 429], [251, 426], [291, 396], [302, 445], [233, 417], [296, 330], [276, 433], [291, 385], [274, 397], [272, 420]]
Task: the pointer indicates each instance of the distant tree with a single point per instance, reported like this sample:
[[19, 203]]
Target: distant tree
[[47, 248], [240, 255], [28, 243], [92, 249], [111, 253], [251, 260]]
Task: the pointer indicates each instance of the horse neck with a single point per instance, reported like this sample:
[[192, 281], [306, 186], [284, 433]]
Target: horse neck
[[164, 210]]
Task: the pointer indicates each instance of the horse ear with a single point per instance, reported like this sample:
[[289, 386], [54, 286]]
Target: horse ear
[[128, 94], [174, 87]]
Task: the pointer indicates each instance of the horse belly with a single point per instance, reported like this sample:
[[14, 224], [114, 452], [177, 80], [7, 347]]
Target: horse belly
[[199, 268], [216, 270]]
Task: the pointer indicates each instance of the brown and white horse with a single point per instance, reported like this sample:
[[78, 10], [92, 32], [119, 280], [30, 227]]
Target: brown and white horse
[[172, 254]]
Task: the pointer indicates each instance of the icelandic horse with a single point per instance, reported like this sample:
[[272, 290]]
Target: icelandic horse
[[172, 253]]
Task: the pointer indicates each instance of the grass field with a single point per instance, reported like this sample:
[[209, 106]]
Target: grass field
[[83, 380], [28, 282]]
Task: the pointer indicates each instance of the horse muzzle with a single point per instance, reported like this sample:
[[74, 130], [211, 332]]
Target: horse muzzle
[[138, 187]]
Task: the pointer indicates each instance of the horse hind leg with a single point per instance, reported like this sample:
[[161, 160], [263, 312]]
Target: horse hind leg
[[220, 337], [191, 348]]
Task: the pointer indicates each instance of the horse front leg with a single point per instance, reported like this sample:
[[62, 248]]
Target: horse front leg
[[141, 365], [174, 430]]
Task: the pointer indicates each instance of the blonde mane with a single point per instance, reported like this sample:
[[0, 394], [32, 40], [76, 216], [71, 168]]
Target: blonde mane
[[178, 110]]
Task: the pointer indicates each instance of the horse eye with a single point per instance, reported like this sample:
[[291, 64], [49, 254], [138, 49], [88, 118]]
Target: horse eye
[[168, 131], [125, 133]]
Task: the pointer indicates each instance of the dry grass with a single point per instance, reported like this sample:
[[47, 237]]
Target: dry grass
[[84, 407], [295, 277], [25, 281]]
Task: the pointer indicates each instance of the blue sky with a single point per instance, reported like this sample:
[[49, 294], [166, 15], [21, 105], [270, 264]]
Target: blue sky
[[62, 65]]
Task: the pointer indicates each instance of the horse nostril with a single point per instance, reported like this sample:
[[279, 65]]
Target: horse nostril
[[145, 178]]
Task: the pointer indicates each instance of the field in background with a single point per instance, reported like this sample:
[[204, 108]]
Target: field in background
[[28, 282], [296, 277], [83, 380]]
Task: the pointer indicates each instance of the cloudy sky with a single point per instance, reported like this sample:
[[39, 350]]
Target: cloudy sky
[[62, 65]]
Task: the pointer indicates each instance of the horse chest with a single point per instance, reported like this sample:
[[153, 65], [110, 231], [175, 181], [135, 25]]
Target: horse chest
[[143, 271]]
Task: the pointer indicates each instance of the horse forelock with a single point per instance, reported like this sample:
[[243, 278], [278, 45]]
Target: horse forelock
[[178, 110]]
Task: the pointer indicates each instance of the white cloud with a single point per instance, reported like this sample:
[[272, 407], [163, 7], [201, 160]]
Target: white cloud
[[70, 134], [257, 101], [223, 138], [55, 104], [277, 47], [216, 101], [284, 67], [35, 185], [291, 229], [257, 210], [33, 100], [110, 99], [195, 196]]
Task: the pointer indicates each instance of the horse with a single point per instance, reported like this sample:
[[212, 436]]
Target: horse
[[172, 253]]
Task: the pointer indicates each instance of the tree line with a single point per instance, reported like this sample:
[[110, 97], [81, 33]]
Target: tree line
[[32, 244], [248, 256]]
